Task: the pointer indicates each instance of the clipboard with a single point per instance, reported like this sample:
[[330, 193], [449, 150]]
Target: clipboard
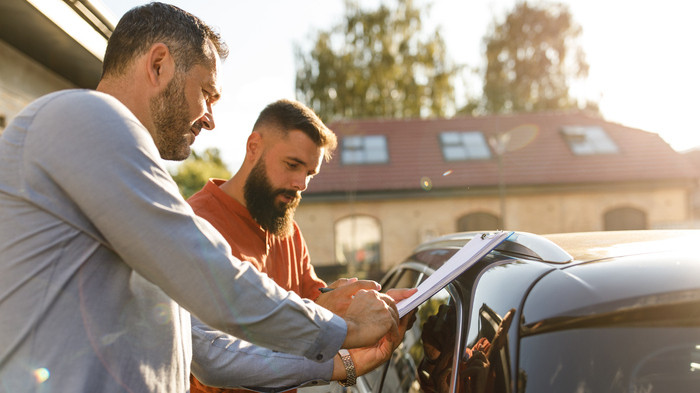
[[462, 260]]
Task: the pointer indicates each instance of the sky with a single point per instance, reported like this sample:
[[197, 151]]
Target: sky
[[643, 56]]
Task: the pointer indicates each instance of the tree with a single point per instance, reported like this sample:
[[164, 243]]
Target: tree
[[193, 173], [532, 58], [377, 63]]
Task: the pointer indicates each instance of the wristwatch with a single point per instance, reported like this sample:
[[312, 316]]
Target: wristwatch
[[351, 376]]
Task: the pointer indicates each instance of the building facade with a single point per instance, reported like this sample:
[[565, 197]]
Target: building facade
[[47, 46], [393, 184]]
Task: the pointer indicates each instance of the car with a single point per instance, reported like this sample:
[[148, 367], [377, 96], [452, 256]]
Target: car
[[580, 312]]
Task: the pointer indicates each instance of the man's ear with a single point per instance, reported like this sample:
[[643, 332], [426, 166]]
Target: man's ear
[[254, 146], [160, 65]]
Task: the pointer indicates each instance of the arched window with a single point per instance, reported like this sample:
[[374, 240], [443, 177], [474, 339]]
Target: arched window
[[480, 221], [357, 244], [625, 218]]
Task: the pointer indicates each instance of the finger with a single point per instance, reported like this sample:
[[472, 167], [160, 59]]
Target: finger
[[410, 317], [405, 323], [395, 317], [351, 289], [367, 285], [389, 302], [399, 294], [390, 306], [412, 320], [381, 300], [342, 282], [408, 320], [394, 330]]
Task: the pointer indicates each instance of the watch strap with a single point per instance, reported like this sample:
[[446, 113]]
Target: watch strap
[[351, 376]]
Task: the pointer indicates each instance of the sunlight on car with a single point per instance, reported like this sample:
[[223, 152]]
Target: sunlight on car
[[621, 315], [682, 243]]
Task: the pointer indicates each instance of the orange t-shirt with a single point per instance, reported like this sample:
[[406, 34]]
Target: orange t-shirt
[[285, 260]]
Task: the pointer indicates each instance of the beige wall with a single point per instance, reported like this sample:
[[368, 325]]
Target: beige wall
[[22, 80], [406, 223]]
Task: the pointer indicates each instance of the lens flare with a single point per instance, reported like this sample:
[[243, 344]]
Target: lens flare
[[161, 313], [426, 183], [447, 172], [520, 136], [41, 375]]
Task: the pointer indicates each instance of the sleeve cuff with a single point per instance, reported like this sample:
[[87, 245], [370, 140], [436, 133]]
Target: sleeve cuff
[[333, 337]]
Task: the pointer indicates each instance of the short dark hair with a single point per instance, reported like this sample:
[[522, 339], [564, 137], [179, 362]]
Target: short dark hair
[[288, 115], [185, 35]]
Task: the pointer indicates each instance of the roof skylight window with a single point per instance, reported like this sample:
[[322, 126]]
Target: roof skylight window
[[364, 149], [588, 140], [463, 146]]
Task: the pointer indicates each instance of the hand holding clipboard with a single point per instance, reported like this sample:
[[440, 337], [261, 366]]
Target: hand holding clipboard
[[467, 256]]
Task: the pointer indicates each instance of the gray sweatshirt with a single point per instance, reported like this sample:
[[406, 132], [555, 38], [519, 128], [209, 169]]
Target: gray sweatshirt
[[101, 259]]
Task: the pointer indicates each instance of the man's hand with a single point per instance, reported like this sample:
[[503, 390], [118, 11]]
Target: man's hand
[[338, 300], [369, 317], [368, 358]]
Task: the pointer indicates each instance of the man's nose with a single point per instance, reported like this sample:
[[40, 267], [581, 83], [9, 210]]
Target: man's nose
[[208, 119], [300, 183]]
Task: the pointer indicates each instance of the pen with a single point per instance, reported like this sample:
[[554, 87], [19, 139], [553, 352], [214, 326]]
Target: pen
[[325, 289]]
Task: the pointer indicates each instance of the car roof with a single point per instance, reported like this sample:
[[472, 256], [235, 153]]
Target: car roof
[[613, 284], [577, 247], [594, 272], [589, 246]]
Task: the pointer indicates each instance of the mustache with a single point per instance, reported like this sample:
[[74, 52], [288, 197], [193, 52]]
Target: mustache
[[292, 194]]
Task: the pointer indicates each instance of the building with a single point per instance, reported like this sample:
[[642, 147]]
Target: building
[[395, 183], [694, 158], [49, 45]]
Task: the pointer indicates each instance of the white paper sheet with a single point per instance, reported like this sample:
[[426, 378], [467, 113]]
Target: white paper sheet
[[468, 255]]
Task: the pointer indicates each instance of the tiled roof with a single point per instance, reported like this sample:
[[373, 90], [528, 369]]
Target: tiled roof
[[415, 155]]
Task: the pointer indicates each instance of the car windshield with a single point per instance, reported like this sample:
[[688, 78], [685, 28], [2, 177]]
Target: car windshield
[[617, 359]]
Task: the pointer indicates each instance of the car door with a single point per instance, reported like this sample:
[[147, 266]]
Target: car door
[[424, 356]]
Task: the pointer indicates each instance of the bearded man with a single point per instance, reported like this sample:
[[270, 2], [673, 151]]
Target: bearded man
[[254, 211]]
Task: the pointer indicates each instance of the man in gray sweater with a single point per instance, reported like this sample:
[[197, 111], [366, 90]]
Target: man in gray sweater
[[100, 257]]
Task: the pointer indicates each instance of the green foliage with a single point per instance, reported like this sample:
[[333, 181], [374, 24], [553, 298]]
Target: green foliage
[[377, 63], [194, 172], [532, 57]]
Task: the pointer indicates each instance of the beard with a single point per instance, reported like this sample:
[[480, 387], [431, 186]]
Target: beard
[[170, 111], [260, 198]]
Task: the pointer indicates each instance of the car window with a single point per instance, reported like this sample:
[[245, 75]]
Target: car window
[[404, 278], [485, 366], [425, 359], [496, 295], [612, 359], [401, 373]]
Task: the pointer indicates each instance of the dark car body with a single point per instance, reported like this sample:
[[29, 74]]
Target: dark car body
[[591, 312]]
